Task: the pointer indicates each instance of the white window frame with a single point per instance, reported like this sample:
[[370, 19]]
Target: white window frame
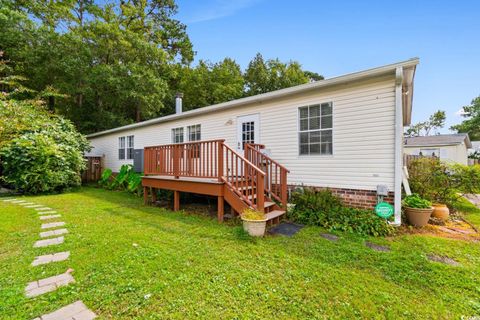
[[299, 131], [197, 134], [121, 148], [175, 135], [130, 147]]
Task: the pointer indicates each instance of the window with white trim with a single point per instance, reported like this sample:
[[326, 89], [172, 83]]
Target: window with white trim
[[130, 147], [194, 132], [121, 148], [177, 135], [315, 134]]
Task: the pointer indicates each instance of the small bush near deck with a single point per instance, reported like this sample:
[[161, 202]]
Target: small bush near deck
[[323, 208], [126, 179]]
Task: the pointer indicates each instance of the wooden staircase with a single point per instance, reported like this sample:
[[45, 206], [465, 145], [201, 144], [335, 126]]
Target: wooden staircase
[[252, 180]]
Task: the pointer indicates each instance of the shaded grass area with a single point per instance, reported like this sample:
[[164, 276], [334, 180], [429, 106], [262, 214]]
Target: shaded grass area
[[133, 261], [470, 212]]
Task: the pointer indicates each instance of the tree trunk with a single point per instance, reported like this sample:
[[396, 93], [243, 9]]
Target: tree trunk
[[51, 103]]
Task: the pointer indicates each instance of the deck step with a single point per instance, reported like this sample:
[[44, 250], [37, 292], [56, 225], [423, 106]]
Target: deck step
[[268, 204], [274, 214]]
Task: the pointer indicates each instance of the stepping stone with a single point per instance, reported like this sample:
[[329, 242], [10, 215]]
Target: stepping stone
[[9, 200], [442, 259], [43, 208], [34, 206], [329, 236], [286, 229], [47, 212], [39, 287], [53, 225], [26, 203], [74, 311], [377, 247], [50, 217], [18, 201], [48, 242], [55, 257], [51, 233]]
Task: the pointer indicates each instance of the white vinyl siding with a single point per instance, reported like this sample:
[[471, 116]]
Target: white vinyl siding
[[363, 135]]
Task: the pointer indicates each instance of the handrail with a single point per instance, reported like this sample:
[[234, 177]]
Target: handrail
[[275, 174], [244, 178], [183, 143]]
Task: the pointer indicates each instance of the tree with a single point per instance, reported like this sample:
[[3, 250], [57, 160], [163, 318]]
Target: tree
[[264, 76], [472, 123], [436, 121]]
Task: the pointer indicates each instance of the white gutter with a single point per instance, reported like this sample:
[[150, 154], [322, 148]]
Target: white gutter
[[258, 99], [398, 145]]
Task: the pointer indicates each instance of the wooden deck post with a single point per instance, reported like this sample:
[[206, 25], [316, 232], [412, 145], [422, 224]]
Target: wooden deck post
[[145, 195], [260, 192], [220, 208], [176, 200], [284, 186]]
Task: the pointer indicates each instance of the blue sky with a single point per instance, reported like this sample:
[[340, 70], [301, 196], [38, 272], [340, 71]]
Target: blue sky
[[338, 37]]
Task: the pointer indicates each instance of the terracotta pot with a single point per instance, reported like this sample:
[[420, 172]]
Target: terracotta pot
[[440, 211], [418, 217], [255, 228]]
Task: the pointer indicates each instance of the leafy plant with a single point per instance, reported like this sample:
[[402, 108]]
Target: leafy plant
[[415, 201], [126, 179], [323, 208], [252, 214]]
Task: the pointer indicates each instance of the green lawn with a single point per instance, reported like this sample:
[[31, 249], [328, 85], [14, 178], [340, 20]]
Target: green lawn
[[188, 266]]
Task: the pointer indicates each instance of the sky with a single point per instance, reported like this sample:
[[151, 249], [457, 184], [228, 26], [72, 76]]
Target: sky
[[337, 37]]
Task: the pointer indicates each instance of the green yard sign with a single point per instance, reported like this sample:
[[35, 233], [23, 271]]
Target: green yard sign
[[384, 210]]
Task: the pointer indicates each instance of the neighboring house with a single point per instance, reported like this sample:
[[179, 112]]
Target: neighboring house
[[448, 147], [475, 147], [344, 133]]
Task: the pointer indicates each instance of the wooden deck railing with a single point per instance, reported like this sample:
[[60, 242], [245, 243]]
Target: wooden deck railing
[[244, 178], [275, 173], [209, 159], [193, 159]]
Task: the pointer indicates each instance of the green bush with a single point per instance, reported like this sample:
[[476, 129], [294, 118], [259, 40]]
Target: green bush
[[126, 179], [323, 208], [440, 182], [415, 201], [45, 155]]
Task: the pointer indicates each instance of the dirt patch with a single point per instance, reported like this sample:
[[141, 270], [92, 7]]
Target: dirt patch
[[452, 229]]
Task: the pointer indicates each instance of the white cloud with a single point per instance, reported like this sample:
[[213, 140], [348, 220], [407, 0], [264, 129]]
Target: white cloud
[[215, 9], [460, 112]]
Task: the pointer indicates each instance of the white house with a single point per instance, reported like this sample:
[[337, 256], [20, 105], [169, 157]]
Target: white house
[[344, 133], [448, 147]]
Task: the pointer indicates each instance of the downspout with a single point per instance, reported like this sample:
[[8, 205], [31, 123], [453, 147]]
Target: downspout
[[398, 146]]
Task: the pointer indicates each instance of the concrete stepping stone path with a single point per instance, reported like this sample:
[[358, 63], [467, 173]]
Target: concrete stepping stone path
[[74, 311], [51, 233], [18, 201], [26, 203], [48, 258], [329, 236], [43, 209], [377, 247], [34, 206], [50, 284], [47, 212], [53, 225], [48, 242], [50, 217], [9, 200]]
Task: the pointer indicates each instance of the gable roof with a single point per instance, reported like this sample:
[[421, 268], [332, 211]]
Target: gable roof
[[439, 140], [407, 65]]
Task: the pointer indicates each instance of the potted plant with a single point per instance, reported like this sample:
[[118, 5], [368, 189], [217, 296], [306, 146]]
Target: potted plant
[[418, 210], [254, 222], [440, 211]]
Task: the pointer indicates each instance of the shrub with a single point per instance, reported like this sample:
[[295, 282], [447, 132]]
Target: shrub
[[440, 182], [45, 155], [415, 201], [323, 208]]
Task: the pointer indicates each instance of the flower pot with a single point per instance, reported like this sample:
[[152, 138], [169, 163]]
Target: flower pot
[[440, 211], [255, 228], [418, 217]]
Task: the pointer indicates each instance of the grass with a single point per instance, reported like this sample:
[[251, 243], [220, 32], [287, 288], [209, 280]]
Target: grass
[[133, 261]]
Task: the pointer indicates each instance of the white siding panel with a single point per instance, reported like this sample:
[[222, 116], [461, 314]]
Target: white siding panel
[[363, 135]]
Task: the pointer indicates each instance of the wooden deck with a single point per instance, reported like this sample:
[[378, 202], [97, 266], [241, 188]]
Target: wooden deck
[[213, 168]]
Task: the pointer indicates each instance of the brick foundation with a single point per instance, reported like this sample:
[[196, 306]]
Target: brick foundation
[[355, 198]]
